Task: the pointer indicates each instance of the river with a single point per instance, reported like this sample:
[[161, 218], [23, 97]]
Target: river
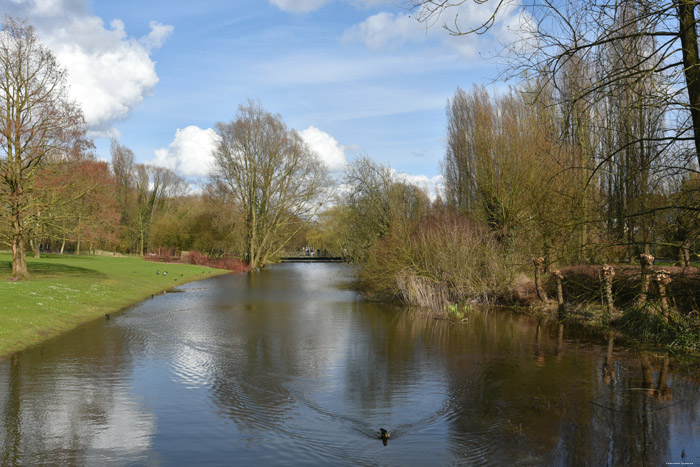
[[288, 366]]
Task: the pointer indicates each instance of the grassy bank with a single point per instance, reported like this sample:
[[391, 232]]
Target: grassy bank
[[66, 291]]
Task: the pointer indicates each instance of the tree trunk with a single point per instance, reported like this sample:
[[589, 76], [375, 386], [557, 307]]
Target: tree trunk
[[35, 246], [560, 292], [684, 256], [63, 245], [608, 274], [19, 260], [691, 64], [646, 262], [77, 247], [663, 279], [538, 262]]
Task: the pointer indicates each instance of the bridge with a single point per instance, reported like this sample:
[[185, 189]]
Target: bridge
[[311, 259]]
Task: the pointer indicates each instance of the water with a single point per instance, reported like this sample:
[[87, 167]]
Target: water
[[288, 367]]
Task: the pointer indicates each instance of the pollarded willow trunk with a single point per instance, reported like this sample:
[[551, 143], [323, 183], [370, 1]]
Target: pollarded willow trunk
[[608, 275], [646, 262], [538, 262], [558, 276], [663, 279]]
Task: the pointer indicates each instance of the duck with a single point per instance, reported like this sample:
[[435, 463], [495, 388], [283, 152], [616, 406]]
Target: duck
[[383, 434]]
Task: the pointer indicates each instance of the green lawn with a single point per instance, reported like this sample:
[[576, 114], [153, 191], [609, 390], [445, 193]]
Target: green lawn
[[66, 291]]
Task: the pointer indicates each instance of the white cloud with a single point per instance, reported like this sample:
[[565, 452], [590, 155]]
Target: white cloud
[[109, 72], [191, 152], [302, 6], [388, 30], [326, 147], [299, 6], [432, 186]]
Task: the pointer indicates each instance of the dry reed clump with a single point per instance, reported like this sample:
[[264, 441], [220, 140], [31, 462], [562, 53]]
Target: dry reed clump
[[445, 259]]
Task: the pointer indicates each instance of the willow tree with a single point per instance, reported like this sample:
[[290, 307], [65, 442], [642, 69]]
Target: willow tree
[[37, 123], [273, 178]]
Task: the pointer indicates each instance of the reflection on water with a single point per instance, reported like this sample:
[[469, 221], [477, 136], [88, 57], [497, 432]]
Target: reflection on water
[[286, 366]]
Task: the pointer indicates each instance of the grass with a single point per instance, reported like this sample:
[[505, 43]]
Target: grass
[[64, 292]]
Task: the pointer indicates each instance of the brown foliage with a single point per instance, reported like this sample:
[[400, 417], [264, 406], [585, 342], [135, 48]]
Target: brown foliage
[[199, 259]]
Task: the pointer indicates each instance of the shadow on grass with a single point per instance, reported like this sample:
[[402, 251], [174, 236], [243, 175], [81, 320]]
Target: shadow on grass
[[48, 269]]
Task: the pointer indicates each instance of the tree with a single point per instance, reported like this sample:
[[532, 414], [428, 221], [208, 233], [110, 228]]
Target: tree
[[75, 200], [123, 168], [273, 178], [37, 122], [155, 188], [496, 160], [663, 36]]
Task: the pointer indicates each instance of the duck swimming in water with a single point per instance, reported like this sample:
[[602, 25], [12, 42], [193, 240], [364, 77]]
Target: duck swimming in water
[[383, 434]]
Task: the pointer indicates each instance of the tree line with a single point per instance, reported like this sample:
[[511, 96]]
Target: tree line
[[55, 194], [592, 158]]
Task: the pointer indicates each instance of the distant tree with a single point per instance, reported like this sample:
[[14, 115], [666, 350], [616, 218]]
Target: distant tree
[[376, 203], [75, 200], [123, 168], [272, 177], [37, 122], [156, 188]]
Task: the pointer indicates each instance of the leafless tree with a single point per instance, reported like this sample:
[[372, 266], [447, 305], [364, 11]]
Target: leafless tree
[[662, 34], [272, 175], [37, 122]]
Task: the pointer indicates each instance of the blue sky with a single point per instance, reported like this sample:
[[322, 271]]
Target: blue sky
[[354, 77]]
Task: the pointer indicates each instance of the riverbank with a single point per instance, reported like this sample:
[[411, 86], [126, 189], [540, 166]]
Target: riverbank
[[67, 291]]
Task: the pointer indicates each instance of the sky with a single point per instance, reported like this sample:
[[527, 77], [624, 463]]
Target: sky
[[354, 77]]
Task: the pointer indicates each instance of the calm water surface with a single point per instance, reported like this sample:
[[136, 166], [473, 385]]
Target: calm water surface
[[287, 367]]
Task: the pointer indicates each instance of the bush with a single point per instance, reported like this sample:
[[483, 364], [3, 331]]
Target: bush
[[199, 259], [223, 262], [446, 259]]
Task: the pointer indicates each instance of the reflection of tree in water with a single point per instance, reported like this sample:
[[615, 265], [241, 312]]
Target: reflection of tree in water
[[381, 358], [275, 347], [559, 408], [61, 400]]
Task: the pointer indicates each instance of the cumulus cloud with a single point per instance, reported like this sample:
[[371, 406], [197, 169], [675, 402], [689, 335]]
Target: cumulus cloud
[[326, 147], [191, 152], [109, 72]]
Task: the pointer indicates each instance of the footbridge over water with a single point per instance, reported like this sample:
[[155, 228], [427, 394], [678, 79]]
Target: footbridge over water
[[311, 259]]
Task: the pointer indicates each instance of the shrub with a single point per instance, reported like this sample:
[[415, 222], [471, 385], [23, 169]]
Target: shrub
[[199, 259], [223, 262], [446, 259]]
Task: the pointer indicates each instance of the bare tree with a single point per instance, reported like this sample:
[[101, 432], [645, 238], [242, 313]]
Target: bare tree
[[587, 31], [273, 177], [37, 122], [155, 188]]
